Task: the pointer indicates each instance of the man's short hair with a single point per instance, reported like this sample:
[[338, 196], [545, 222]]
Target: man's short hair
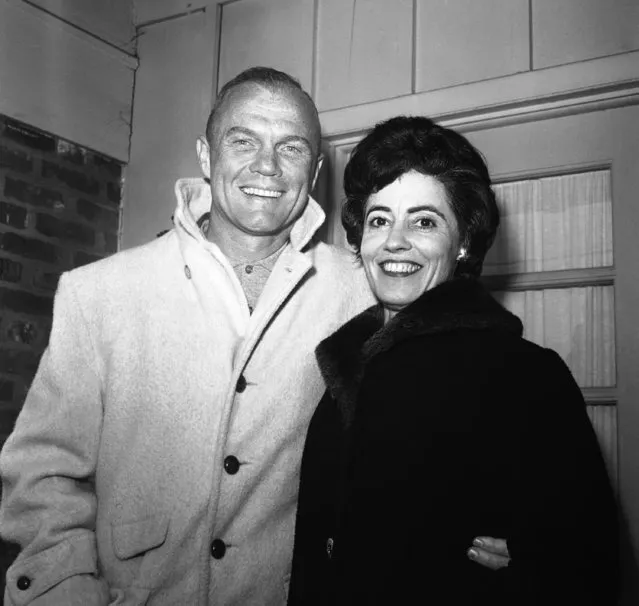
[[268, 77]]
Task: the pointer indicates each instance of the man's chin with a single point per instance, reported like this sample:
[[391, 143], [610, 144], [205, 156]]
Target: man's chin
[[266, 225], [266, 228]]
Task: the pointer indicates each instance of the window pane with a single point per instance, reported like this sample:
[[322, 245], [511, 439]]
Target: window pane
[[553, 223], [578, 323]]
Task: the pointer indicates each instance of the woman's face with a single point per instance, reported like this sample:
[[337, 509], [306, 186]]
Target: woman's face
[[410, 241]]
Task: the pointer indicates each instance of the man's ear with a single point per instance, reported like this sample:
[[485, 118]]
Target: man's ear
[[320, 161], [204, 156]]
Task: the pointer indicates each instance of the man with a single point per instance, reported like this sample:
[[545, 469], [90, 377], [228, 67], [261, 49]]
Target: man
[[156, 458]]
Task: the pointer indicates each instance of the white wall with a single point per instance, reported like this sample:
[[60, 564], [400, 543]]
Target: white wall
[[62, 80], [110, 20], [173, 94]]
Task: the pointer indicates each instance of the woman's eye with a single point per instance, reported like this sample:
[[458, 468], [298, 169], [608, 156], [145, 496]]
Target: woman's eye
[[377, 221], [425, 223]]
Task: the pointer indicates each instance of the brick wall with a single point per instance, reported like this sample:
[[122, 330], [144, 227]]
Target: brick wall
[[59, 209]]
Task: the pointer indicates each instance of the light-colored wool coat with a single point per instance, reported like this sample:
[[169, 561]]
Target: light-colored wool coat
[[114, 481]]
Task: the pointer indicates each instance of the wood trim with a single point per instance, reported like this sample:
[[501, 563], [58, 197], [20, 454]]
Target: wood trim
[[559, 170], [542, 280], [151, 12], [600, 396], [586, 86]]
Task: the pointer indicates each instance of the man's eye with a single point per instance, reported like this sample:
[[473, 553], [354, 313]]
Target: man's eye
[[291, 149], [241, 142]]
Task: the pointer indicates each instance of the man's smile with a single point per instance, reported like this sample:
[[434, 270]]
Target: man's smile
[[263, 193]]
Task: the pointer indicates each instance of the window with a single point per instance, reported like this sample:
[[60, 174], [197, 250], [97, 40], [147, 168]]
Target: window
[[552, 265]]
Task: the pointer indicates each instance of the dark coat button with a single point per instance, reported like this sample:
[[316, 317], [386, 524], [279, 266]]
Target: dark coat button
[[330, 544], [241, 384], [23, 583], [218, 549], [231, 465]]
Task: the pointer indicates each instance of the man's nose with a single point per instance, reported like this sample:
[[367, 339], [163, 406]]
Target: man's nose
[[266, 162], [397, 239]]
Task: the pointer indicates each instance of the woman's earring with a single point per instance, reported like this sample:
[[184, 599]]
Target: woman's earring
[[462, 254]]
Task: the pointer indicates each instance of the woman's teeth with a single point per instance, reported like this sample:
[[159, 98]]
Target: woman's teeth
[[392, 267]]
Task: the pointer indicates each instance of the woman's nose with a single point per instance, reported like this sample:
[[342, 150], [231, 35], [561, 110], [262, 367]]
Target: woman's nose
[[397, 239], [266, 162]]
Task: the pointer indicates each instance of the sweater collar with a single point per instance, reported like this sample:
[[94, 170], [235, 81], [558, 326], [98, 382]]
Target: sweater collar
[[194, 199], [460, 303]]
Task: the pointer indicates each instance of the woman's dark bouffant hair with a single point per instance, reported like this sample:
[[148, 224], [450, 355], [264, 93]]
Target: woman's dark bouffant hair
[[404, 143]]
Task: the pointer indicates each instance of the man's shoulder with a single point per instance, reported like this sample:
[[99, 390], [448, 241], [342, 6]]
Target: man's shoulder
[[341, 269], [336, 258], [127, 266]]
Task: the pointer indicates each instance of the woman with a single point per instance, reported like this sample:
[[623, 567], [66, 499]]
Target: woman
[[440, 422]]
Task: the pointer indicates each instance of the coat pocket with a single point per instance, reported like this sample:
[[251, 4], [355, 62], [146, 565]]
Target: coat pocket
[[139, 545], [133, 538]]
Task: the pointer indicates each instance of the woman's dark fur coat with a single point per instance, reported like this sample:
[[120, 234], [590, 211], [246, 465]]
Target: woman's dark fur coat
[[440, 426]]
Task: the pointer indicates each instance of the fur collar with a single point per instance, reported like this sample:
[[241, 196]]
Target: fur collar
[[461, 303]]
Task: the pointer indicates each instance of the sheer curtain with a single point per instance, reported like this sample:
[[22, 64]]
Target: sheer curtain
[[563, 223], [553, 223], [578, 323]]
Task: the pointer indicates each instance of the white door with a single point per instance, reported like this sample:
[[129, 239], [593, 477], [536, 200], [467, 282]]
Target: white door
[[567, 262]]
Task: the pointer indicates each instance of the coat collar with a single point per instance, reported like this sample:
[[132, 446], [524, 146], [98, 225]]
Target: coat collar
[[194, 199], [461, 303]]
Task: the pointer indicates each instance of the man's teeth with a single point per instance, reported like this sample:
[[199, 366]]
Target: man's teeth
[[265, 193], [400, 268]]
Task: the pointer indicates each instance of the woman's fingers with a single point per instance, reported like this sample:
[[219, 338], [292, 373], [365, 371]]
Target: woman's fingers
[[489, 552]]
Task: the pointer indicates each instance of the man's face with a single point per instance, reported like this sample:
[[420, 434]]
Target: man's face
[[262, 161]]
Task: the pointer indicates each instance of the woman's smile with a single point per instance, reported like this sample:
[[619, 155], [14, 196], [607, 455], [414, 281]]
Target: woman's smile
[[399, 269]]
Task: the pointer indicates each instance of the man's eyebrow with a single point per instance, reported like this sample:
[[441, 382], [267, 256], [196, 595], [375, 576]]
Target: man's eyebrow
[[239, 130], [297, 139], [247, 132]]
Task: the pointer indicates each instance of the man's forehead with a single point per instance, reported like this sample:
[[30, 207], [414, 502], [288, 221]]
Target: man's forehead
[[284, 106]]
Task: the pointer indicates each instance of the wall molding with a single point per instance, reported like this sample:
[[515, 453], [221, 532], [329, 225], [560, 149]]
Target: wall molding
[[587, 86], [152, 12]]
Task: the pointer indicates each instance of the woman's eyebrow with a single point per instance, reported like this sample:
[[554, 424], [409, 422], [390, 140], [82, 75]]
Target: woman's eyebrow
[[429, 208], [412, 209], [375, 207]]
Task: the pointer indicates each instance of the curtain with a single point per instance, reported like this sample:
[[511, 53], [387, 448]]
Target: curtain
[[553, 223], [561, 223]]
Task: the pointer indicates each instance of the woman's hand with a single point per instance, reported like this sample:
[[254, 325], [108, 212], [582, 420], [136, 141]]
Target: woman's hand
[[489, 552]]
